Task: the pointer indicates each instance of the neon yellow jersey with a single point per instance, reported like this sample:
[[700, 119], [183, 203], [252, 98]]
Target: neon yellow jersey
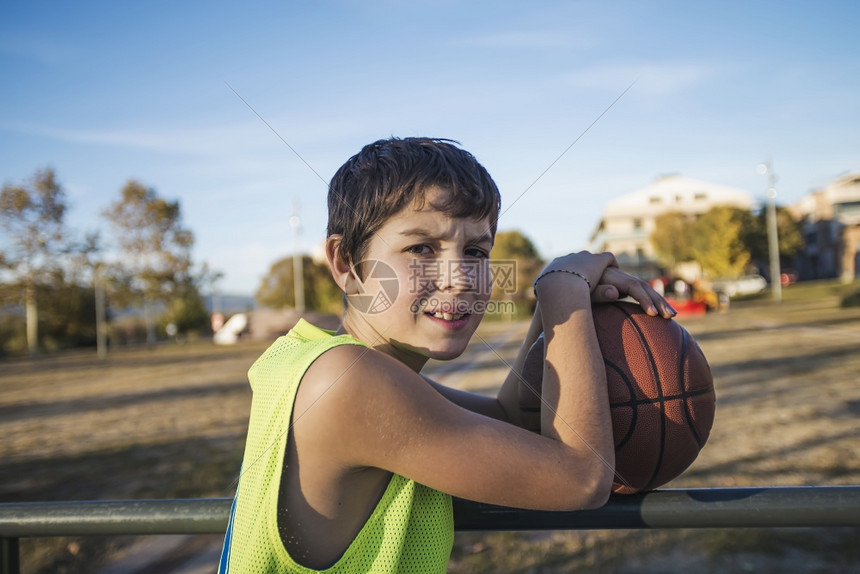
[[410, 530]]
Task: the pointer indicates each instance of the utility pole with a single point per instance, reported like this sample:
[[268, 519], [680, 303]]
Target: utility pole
[[298, 267], [772, 234], [101, 338]]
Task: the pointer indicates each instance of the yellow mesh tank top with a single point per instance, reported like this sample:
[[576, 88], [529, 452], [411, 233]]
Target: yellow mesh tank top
[[410, 530]]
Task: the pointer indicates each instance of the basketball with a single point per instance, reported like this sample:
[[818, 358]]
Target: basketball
[[661, 394]]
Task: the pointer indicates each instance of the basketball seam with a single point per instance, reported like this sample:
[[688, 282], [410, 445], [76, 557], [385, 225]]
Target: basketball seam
[[660, 397], [632, 390], [687, 412], [665, 399]]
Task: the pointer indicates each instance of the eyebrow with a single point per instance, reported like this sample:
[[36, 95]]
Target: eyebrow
[[423, 233]]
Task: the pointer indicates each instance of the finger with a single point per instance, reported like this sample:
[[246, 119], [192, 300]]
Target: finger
[[605, 294], [613, 262], [651, 301]]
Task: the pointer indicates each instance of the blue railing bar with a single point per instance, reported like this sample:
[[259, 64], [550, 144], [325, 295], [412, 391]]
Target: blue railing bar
[[693, 508]]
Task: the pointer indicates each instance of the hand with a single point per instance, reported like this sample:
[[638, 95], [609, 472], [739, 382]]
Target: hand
[[614, 284], [590, 267]]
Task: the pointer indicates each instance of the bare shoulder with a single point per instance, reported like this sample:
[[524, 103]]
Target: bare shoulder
[[349, 383]]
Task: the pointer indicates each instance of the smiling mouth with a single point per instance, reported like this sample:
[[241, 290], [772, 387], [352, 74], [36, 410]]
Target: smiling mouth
[[446, 316]]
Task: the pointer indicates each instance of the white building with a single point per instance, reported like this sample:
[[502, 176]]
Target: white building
[[628, 221], [830, 222]]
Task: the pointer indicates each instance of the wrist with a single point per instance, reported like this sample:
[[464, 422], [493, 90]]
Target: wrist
[[550, 272], [559, 296]]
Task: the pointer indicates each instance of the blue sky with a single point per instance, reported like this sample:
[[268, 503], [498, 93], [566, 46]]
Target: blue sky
[[108, 91]]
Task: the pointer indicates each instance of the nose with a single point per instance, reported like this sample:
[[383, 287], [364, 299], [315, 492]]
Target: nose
[[460, 275]]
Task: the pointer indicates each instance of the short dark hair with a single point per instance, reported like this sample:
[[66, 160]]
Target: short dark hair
[[387, 175]]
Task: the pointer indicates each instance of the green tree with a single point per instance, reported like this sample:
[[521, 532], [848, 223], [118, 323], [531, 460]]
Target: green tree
[[788, 231], [277, 289], [717, 241], [156, 252], [68, 312], [33, 216], [186, 309], [671, 237], [515, 246]]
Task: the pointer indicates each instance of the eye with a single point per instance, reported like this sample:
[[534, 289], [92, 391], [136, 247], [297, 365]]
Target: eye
[[477, 252], [420, 249]]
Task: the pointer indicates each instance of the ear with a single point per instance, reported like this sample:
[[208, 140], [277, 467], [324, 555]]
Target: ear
[[341, 270]]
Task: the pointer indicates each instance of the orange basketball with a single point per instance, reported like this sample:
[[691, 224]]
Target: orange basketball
[[661, 394]]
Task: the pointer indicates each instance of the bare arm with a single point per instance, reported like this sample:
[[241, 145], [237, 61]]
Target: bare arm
[[481, 404], [381, 414], [575, 397]]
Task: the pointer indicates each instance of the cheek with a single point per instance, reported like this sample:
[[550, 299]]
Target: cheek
[[485, 281]]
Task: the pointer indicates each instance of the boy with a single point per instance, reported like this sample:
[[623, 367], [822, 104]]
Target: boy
[[352, 455]]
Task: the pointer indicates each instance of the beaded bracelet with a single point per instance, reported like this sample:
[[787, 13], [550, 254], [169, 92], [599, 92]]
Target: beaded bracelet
[[545, 273]]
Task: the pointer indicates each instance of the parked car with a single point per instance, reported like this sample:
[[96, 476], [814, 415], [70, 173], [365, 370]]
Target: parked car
[[745, 285]]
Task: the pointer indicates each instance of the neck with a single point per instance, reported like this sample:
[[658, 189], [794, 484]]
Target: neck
[[379, 342]]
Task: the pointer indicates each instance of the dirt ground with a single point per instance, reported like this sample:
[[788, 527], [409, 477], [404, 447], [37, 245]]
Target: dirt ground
[[170, 422]]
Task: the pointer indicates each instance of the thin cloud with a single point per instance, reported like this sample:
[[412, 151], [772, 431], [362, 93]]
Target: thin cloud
[[183, 142], [226, 139]]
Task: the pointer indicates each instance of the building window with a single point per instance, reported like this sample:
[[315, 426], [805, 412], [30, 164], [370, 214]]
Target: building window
[[654, 200], [700, 196], [637, 223], [846, 208]]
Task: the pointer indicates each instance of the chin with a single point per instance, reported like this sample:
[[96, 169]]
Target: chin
[[446, 354]]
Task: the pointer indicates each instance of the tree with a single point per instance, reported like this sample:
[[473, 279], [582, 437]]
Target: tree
[[513, 246], [186, 310], [717, 242], [277, 290], [671, 237], [33, 216], [725, 240], [788, 231], [67, 312], [156, 249]]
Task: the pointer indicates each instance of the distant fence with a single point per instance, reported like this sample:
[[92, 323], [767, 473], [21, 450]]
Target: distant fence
[[816, 506]]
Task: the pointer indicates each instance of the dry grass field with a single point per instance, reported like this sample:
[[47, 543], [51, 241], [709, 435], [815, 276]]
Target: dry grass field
[[170, 422]]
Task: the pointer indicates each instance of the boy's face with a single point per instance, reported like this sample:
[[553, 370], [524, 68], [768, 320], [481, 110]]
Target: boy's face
[[426, 281]]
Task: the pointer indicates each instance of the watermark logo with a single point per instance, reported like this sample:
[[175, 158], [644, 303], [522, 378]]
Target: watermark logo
[[463, 307], [467, 275], [379, 289], [380, 285]]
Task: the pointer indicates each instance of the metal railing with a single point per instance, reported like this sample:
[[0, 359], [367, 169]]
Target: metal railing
[[694, 508]]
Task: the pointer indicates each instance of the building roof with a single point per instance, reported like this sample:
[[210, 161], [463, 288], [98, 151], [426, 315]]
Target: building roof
[[676, 193], [840, 199]]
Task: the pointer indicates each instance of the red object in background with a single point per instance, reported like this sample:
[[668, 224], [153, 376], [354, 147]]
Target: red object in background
[[789, 277], [688, 308]]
